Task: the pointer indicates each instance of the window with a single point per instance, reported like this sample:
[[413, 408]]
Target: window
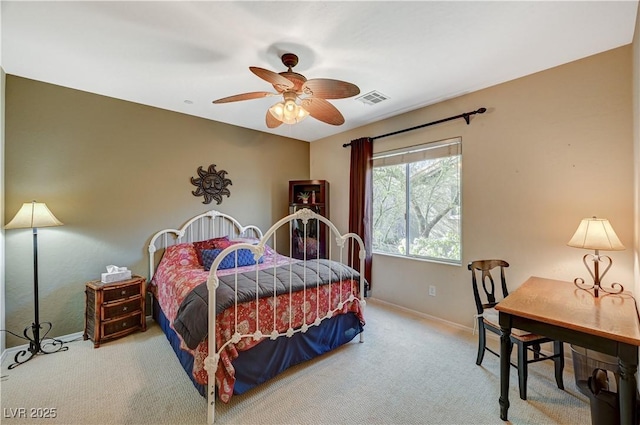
[[416, 201]]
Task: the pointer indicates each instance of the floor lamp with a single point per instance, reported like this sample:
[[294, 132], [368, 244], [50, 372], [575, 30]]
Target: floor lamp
[[33, 215]]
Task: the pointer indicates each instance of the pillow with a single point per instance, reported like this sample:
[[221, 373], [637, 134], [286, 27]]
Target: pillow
[[245, 258], [183, 254], [224, 244], [240, 239], [208, 244]]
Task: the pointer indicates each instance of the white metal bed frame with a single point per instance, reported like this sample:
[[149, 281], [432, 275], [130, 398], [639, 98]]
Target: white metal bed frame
[[214, 224]]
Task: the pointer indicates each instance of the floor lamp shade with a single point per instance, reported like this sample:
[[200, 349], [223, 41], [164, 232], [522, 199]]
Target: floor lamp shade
[[33, 214]]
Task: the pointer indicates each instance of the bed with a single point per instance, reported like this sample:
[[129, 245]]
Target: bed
[[272, 311]]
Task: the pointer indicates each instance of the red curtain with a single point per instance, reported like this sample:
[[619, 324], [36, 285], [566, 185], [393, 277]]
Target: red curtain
[[361, 196]]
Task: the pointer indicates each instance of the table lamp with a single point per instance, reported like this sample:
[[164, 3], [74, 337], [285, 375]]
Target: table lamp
[[33, 215], [597, 234]]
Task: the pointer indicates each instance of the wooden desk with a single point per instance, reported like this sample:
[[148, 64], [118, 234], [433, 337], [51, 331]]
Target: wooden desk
[[561, 311]]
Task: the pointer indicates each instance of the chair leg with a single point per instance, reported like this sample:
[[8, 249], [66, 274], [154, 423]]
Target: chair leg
[[522, 369], [482, 341], [536, 351], [558, 351]]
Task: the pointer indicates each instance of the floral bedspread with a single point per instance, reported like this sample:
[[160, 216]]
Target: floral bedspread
[[179, 272]]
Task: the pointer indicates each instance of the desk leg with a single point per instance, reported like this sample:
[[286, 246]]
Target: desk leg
[[505, 368], [627, 392]]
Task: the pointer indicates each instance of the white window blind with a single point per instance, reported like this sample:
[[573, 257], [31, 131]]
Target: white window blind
[[433, 150]]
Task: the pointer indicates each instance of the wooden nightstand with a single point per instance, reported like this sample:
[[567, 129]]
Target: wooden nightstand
[[114, 309]]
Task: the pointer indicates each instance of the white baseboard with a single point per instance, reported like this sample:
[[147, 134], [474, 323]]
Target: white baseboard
[[14, 350], [568, 358], [418, 313]]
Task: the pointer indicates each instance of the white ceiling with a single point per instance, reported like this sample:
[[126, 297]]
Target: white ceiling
[[415, 53]]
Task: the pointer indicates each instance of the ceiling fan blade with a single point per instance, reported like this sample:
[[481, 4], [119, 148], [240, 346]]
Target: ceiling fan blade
[[322, 110], [245, 96], [280, 82], [329, 89], [272, 122]]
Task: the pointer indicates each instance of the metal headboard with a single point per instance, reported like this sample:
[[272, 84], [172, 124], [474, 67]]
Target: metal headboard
[[210, 224]]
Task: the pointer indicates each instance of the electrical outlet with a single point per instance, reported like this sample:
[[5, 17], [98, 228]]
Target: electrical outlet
[[432, 290]]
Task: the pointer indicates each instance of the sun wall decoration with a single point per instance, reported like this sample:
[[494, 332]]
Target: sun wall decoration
[[211, 184]]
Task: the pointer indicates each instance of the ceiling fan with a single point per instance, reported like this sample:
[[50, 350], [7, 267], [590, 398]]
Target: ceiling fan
[[313, 95]]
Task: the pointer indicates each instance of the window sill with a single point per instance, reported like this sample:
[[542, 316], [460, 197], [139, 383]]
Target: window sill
[[422, 259]]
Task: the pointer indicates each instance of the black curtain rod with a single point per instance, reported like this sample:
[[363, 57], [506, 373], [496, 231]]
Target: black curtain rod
[[465, 115]]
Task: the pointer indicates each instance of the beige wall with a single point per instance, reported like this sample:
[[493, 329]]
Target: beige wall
[[114, 173], [554, 147], [636, 148], [2, 267]]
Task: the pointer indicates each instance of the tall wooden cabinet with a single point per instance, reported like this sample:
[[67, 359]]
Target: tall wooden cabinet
[[312, 194]]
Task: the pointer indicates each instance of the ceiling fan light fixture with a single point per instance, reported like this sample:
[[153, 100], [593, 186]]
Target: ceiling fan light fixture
[[288, 112], [290, 108], [277, 110], [301, 113]]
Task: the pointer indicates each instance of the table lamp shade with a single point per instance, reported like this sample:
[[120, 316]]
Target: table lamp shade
[[596, 233], [33, 214]]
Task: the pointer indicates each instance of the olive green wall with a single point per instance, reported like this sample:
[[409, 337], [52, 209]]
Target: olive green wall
[[552, 148], [114, 173]]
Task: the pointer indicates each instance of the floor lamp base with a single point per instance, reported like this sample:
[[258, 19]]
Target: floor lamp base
[[37, 345]]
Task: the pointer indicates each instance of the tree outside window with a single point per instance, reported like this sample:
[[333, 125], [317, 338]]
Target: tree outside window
[[416, 201]]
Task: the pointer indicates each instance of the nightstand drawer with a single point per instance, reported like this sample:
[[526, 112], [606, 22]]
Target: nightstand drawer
[[121, 293], [110, 311], [113, 327]]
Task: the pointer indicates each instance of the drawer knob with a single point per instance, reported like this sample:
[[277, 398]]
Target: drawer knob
[[124, 324], [124, 308], [124, 291]]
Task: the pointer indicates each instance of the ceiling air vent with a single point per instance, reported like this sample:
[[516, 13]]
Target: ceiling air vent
[[372, 98]]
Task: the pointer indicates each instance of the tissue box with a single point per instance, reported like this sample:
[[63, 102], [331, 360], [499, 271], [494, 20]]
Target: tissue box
[[116, 276]]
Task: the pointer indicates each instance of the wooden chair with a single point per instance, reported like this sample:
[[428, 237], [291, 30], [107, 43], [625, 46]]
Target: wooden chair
[[487, 318]]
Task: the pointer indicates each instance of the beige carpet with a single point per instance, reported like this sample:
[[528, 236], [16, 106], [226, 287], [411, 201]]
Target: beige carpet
[[410, 370]]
